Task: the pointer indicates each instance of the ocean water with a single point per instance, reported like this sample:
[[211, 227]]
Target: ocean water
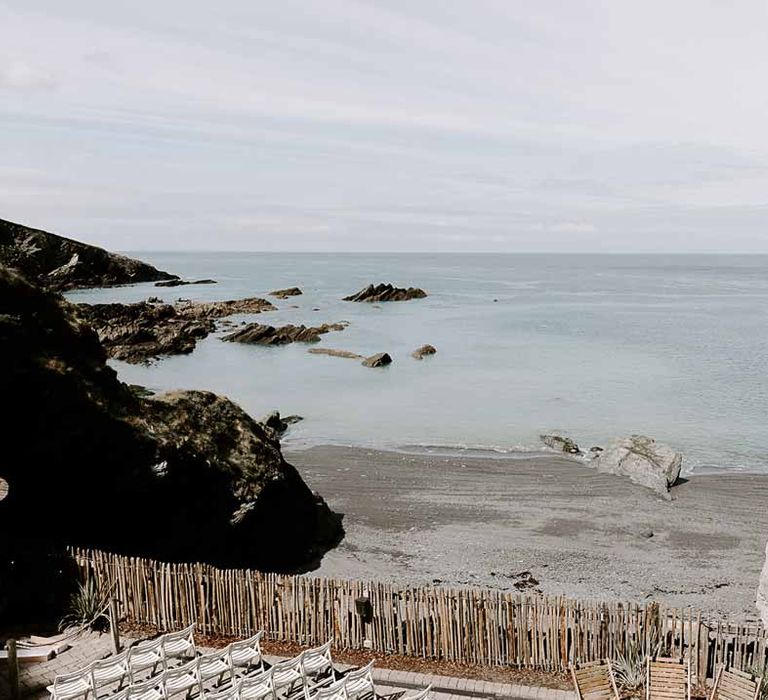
[[592, 346]]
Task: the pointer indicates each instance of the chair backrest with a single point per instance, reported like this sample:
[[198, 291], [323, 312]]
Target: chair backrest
[[228, 694], [287, 668], [181, 643], [732, 684], [72, 685], [246, 652], [317, 656], [335, 691], [256, 687], [148, 654], [106, 671], [594, 681], [359, 682], [150, 689], [182, 678], [668, 679], [214, 664]]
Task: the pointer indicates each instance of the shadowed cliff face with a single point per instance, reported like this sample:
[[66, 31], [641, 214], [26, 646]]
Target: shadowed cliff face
[[183, 476], [60, 263]]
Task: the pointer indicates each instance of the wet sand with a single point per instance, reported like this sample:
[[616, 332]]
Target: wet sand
[[485, 521]]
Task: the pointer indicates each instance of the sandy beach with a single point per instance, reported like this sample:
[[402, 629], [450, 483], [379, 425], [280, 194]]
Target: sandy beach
[[485, 521]]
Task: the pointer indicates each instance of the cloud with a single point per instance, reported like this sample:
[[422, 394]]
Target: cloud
[[369, 125]]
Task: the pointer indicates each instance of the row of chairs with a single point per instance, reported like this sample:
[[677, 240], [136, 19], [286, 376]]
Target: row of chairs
[[665, 679], [153, 657]]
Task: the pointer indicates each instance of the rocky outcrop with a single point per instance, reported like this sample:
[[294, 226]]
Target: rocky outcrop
[[145, 331], [336, 353], [261, 334], [285, 293], [380, 359], [183, 283], [423, 351], [762, 592], [643, 460], [386, 292], [561, 444], [60, 263], [187, 476]]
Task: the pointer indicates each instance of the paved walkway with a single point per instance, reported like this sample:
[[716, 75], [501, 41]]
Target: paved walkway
[[35, 677]]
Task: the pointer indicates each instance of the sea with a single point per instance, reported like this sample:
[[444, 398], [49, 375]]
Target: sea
[[590, 346]]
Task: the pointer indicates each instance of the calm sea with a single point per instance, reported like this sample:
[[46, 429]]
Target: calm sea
[[592, 346]]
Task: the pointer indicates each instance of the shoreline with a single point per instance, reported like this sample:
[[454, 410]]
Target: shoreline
[[506, 522]]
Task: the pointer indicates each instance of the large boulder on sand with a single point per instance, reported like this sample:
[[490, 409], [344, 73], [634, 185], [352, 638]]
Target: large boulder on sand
[[762, 591], [643, 460]]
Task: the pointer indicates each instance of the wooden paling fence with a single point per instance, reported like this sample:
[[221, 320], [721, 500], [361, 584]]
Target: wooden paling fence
[[468, 625]]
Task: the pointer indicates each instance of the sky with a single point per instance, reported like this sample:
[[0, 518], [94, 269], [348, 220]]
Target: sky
[[427, 125]]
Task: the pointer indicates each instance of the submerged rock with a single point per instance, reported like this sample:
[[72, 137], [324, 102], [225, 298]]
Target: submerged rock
[[182, 283], [61, 264], [285, 293], [644, 461], [423, 351], [186, 476], [261, 334], [336, 353], [561, 444], [144, 331], [380, 359], [386, 292]]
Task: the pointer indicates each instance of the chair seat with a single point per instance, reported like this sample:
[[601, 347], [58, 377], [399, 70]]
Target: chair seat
[[243, 657], [316, 665], [286, 677], [255, 690], [359, 687], [178, 647], [210, 669], [142, 659], [109, 674]]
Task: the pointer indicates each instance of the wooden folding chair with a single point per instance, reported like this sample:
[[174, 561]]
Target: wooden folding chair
[[732, 684], [668, 679], [594, 681]]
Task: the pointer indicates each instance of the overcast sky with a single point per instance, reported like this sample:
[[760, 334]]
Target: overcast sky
[[436, 125]]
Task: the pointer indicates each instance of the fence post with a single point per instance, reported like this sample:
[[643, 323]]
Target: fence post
[[113, 626], [13, 669]]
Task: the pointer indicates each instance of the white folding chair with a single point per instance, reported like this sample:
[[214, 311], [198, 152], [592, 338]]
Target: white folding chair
[[246, 654], [105, 672], [286, 675], [214, 665], [359, 683], [182, 679], [258, 687], [150, 689], [71, 685], [418, 695], [335, 691], [145, 655], [179, 645], [317, 666]]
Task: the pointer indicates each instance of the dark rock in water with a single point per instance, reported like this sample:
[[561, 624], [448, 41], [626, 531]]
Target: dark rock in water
[[142, 331], [595, 450], [182, 283], [154, 300], [380, 359], [275, 422], [561, 444], [646, 533], [285, 293], [386, 292], [261, 334], [60, 263], [336, 353], [423, 351], [187, 476]]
